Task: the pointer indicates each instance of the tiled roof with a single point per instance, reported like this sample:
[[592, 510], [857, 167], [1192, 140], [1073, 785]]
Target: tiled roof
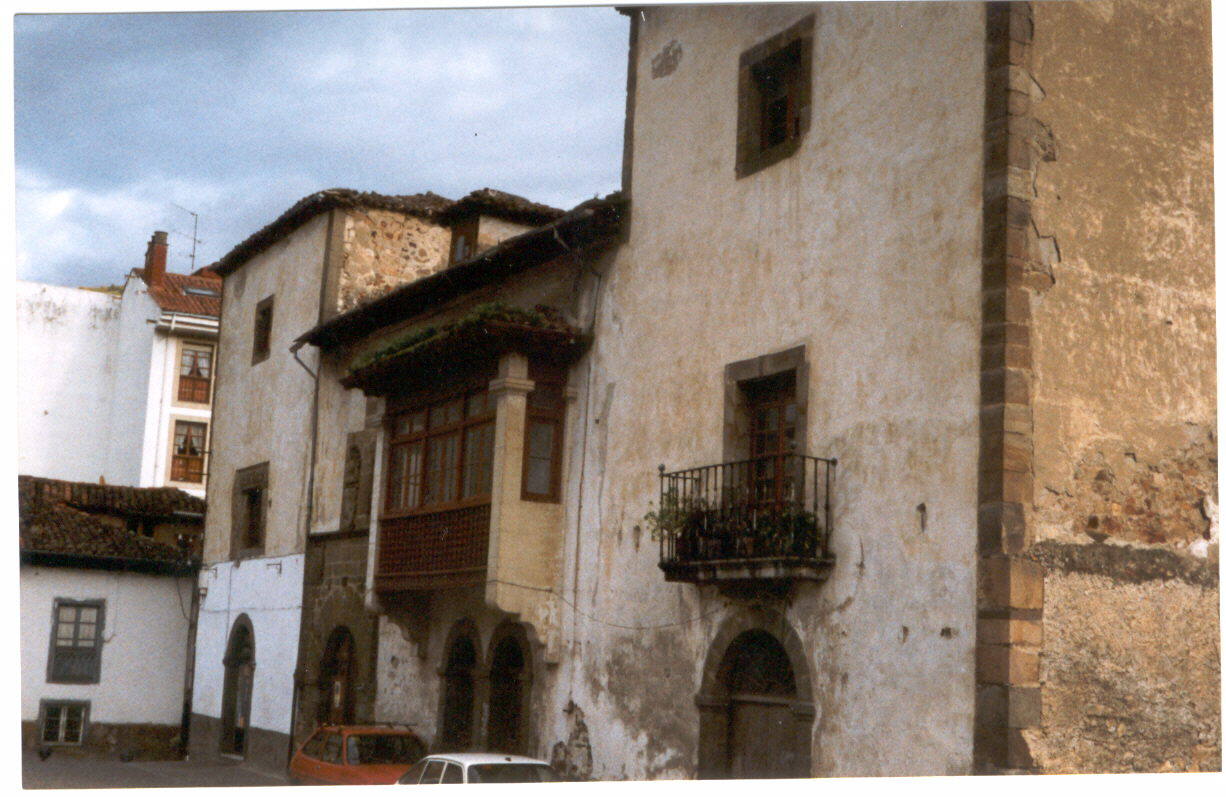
[[58, 517], [492, 202], [592, 224], [427, 206], [173, 294]]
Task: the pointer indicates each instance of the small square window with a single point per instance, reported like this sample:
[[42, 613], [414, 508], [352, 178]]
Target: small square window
[[76, 643], [262, 336], [249, 510], [774, 98], [63, 721]]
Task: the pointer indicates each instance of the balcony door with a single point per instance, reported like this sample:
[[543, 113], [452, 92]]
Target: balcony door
[[772, 409]]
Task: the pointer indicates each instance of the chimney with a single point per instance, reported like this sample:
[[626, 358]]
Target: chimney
[[155, 259]]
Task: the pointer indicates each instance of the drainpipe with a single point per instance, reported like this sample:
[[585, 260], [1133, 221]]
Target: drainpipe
[[189, 671]]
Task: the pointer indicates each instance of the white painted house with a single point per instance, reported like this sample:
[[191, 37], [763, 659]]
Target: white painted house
[[117, 387], [107, 615]]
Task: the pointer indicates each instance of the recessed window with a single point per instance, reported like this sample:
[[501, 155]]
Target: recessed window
[[543, 437], [76, 642], [63, 721], [187, 461], [195, 373], [773, 103], [250, 510], [262, 336]]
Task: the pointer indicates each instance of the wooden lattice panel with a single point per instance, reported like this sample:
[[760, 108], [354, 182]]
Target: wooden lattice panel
[[435, 549]]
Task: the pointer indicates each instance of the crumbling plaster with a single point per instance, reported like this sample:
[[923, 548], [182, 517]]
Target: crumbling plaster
[[816, 250], [1124, 396]]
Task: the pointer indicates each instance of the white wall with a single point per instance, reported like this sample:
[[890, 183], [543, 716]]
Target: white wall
[[65, 347], [269, 592], [144, 649], [131, 389]]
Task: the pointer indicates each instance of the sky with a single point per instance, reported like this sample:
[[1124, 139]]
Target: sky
[[125, 122]]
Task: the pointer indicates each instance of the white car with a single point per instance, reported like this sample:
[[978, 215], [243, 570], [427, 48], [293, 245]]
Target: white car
[[479, 768]]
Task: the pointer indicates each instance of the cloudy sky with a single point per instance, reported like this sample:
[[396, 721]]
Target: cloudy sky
[[121, 118]]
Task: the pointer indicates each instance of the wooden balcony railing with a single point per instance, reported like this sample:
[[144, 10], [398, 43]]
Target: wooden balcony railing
[[766, 518], [433, 550]]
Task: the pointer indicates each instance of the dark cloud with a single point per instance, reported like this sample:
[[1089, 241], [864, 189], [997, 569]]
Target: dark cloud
[[237, 115]]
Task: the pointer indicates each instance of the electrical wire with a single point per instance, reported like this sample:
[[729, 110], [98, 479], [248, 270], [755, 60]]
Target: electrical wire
[[595, 619]]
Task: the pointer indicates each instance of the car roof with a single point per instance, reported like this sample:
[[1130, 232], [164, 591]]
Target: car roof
[[468, 759]]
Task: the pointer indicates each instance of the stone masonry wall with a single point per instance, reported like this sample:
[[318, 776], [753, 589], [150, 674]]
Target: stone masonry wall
[[384, 249], [333, 597], [1123, 516]]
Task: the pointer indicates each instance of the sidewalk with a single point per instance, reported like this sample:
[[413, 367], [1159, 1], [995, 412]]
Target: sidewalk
[[64, 771]]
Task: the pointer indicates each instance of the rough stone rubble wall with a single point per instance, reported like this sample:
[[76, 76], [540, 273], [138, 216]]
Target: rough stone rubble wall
[[1123, 518], [384, 249]]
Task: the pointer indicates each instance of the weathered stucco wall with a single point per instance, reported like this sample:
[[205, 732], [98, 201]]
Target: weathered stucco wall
[[863, 246], [263, 411], [66, 341], [1124, 399], [384, 249]]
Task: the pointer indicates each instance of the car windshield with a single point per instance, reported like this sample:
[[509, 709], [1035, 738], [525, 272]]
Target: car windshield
[[510, 773], [371, 748]]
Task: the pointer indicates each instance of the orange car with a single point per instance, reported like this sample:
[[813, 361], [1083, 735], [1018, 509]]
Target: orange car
[[355, 755]]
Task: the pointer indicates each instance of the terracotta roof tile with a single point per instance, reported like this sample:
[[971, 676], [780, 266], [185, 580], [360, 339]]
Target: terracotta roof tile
[[183, 293], [61, 517]]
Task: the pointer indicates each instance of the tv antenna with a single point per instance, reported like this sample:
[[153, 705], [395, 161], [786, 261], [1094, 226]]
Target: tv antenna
[[195, 226]]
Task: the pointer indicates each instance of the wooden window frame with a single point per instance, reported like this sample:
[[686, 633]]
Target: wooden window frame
[[261, 338], [193, 383], [47, 703], [177, 458], [554, 379], [252, 479], [95, 671], [791, 54], [460, 429]]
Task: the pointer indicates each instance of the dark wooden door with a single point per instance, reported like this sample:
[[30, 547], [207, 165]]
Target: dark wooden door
[[760, 743]]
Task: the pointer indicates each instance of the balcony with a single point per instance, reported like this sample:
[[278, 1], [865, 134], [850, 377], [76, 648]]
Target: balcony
[[758, 521], [433, 550]]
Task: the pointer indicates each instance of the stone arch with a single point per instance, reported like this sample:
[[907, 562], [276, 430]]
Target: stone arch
[[762, 635], [508, 728], [239, 663], [459, 672], [337, 671]]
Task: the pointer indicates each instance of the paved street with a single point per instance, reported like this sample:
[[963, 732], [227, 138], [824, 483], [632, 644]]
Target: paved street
[[78, 772]]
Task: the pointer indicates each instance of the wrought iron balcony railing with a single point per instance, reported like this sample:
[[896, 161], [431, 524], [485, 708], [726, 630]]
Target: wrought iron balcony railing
[[762, 518]]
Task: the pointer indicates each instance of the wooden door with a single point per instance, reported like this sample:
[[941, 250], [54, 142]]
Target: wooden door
[[760, 743]]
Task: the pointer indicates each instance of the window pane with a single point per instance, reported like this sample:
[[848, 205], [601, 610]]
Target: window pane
[[442, 466], [545, 397], [68, 614], [51, 724], [479, 404], [478, 460], [395, 477], [453, 774], [538, 480], [434, 770], [412, 489], [89, 614], [74, 717], [86, 634]]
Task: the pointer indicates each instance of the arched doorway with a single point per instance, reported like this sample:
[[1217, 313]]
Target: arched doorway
[[336, 679], [236, 689], [506, 729], [459, 670], [756, 709]]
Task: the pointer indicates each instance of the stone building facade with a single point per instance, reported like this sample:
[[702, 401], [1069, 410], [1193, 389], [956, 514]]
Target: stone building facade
[[822, 431]]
